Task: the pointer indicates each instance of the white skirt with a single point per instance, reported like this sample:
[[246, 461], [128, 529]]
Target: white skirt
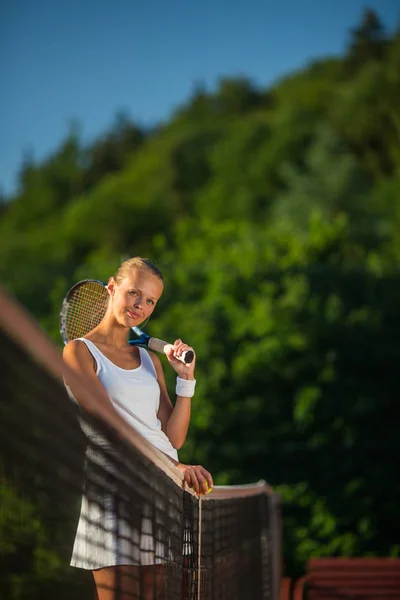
[[103, 539], [112, 532]]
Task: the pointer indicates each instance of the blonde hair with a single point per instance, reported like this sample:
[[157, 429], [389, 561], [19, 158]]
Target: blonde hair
[[136, 263]]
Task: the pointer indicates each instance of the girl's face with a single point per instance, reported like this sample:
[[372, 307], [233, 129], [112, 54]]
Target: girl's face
[[135, 298]]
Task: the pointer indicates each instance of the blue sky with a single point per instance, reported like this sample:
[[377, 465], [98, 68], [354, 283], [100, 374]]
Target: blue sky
[[85, 60]]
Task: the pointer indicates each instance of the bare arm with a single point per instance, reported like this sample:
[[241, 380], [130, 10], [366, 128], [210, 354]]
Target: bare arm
[[78, 358], [174, 419]]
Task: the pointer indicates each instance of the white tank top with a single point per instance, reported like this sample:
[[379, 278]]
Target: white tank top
[[135, 394]]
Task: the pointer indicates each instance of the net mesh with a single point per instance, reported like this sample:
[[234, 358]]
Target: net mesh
[[73, 487], [83, 309]]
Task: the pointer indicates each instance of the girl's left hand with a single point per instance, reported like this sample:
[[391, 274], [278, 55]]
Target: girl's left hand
[[186, 371]]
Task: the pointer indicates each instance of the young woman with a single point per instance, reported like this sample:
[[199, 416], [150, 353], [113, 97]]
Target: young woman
[[131, 381]]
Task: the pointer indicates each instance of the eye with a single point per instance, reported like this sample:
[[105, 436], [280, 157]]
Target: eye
[[133, 293], [150, 302]]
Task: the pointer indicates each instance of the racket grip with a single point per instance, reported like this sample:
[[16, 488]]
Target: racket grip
[[161, 346]]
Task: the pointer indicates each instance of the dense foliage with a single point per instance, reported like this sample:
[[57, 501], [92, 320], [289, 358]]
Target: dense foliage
[[275, 216]]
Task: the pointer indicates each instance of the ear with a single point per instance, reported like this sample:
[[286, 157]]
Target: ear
[[111, 286]]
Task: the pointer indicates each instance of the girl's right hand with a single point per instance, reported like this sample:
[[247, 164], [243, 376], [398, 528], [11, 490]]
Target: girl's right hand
[[197, 477]]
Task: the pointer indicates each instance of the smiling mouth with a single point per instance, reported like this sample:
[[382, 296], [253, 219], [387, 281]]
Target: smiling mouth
[[134, 315]]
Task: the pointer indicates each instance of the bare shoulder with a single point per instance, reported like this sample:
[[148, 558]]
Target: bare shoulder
[[76, 352], [156, 359], [164, 397], [157, 363], [74, 348]]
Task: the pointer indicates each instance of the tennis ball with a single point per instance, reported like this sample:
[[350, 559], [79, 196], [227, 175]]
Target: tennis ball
[[208, 488]]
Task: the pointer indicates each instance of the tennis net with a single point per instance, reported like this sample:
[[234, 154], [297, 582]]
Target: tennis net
[[60, 466]]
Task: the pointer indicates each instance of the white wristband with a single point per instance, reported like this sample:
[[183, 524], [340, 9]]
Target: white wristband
[[185, 387]]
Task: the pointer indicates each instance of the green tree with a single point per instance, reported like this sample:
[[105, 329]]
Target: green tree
[[368, 41]]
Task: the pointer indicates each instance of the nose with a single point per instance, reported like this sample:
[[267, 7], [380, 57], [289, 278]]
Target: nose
[[138, 302]]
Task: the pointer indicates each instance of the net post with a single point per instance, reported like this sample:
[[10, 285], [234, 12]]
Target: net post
[[275, 508]]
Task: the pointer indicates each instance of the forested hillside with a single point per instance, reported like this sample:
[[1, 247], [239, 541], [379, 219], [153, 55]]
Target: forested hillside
[[275, 217]]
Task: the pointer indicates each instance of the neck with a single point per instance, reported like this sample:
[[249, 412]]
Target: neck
[[109, 332]]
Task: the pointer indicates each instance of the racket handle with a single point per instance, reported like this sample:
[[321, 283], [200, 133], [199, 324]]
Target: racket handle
[[161, 346]]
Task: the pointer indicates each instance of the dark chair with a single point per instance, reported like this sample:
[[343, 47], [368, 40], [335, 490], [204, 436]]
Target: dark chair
[[349, 578]]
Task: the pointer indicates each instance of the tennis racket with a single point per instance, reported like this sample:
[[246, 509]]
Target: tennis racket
[[85, 305]]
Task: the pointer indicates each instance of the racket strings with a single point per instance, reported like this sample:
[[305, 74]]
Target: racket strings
[[87, 307]]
